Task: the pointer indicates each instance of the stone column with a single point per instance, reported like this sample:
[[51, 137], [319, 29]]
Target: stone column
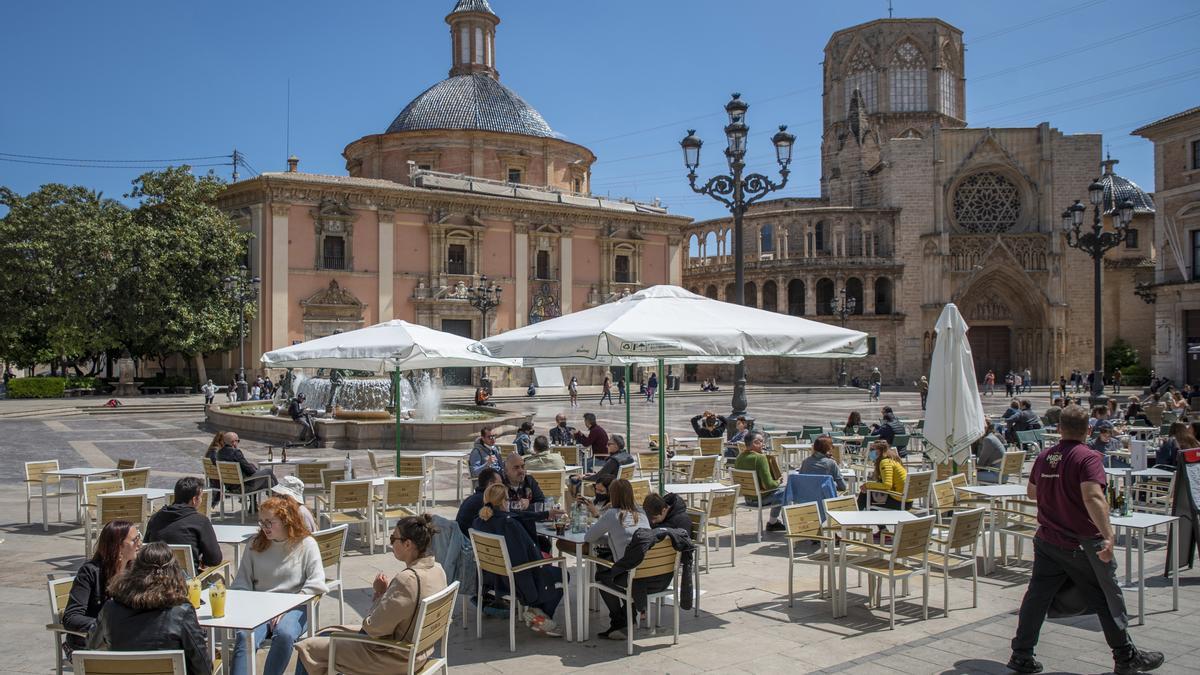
[[674, 261], [387, 264], [783, 249], [810, 296], [279, 276], [565, 265], [258, 338], [521, 273], [868, 295]]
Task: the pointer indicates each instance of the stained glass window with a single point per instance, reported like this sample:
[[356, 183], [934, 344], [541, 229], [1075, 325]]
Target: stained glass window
[[986, 203], [909, 78], [862, 76]]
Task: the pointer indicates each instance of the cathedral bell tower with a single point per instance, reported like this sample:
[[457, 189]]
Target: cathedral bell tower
[[473, 38]]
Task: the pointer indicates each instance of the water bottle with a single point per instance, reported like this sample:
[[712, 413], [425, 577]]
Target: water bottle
[[349, 467], [577, 518]]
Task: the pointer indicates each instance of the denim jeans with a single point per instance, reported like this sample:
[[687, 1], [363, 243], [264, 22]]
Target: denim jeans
[[291, 626], [772, 499]]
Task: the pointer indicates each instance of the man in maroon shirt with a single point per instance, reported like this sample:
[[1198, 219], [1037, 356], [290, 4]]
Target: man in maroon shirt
[[596, 439], [1074, 543]]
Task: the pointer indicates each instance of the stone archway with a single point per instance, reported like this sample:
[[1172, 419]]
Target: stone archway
[[1009, 324]]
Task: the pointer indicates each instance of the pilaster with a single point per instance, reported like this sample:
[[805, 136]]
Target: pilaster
[[279, 275], [387, 264], [521, 273], [566, 266]]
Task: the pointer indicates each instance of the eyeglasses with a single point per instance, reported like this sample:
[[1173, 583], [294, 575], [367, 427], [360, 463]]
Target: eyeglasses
[[393, 539], [268, 523]]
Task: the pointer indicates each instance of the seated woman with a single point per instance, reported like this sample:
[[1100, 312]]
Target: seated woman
[[741, 428], [616, 526], [116, 547], [524, 438], [394, 607], [1180, 438], [536, 588], [991, 454], [149, 611], [282, 558], [600, 502], [889, 475], [709, 425], [852, 423], [468, 511], [617, 457]]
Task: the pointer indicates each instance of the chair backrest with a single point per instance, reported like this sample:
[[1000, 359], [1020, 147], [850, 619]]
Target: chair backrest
[[332, 544], [686, 449], [641, 488], [648, 462], [662, 558], [712, 446], [845, 503], [310, 472], [126, 464], [183, 556], [506, 449], [964, 528], [92, 489], [746, 480], [900, 441], [374, 463], [912, 537], [654, 440], [704, 469], [723, 503], [491, 555], [777, 443], [231, 473], [136, 478], [165, 662], [131, 508], [626, 471], [943, 495], [943, 470], [1011, 465], [835, 453], [958, 480], [60, 591], [433, 620], [864, 431], [36, 471], [211, 472], [916, 485], [741, 447], [350, 494], [570, 453], [802, 519], [331, 476], [551, 482], [411, 466], [402, 491], [205, 506]]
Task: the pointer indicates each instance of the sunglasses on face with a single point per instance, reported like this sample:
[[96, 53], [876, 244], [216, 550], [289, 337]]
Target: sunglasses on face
[[393, 539]]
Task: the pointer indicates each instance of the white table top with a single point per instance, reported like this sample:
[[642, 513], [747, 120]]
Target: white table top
[[685, 458], [1141, 521], [1153, 473], [448, 454], [548, 530], [995, 490], [82, 471], [865, 518], [148, 493], [290, 460], [1117, 471], [847, 437], [684, 439], [696, 488], [247, 609], [797, 446], [234, 534]]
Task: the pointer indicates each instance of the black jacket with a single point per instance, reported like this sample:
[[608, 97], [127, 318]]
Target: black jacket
[[677, 515], [718, 430], [124, 629], [521, 549], [528, 489], [612, 466], [88, 595], [643, 540], [182, 524], [232, 454]]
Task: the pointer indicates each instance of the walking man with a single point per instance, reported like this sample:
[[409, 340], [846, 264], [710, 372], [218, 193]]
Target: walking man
[[1074, 543]]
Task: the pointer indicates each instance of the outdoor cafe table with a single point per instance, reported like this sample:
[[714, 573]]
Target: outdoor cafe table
[[278, 460], [849, 519], [235, 536], [577, 546], [80, 475], [151, 494], [696, 488], [246, 610], [1142, 433], [1143, 523], [794, 449], [460, 458], [993, 493]]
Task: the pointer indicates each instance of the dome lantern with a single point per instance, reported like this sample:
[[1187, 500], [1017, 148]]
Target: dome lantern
[[473, 38]]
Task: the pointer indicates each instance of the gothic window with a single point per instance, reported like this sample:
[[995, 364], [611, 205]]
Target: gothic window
[[767, 236], [542, 270], [909, 77], [621, 270], [861, 76], [456, 259], [333, 253], [987, 202], [948, 93]]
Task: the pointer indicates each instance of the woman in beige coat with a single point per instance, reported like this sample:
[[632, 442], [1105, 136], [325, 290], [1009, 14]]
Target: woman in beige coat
[[393, 611]]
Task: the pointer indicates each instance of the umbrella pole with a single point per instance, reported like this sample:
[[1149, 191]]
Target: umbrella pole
[[628, 426], [662, 429], [396, 402]]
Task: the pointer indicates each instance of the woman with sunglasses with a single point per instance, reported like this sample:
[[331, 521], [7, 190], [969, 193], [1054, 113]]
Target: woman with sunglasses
[[116, 547], [282, 558], [393, 608]]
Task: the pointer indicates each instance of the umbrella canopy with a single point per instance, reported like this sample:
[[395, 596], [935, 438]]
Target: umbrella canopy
[[381, 347], [954, 411], [669, 322]]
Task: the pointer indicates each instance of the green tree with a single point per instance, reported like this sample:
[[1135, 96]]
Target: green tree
[[1120, 354]]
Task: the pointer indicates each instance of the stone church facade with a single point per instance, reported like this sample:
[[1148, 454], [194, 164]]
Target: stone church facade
[[918, 209]]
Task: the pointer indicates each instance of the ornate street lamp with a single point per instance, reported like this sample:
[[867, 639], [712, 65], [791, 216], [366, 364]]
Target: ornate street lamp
[[1096, 242], [485, 297], [737, 192], [243, 290], [845, 308]]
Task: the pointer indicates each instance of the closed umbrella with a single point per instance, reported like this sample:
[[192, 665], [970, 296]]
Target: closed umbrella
[[954, 411]]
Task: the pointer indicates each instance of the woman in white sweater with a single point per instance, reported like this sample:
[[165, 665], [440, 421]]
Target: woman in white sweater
[[617, 524], [282, 558]]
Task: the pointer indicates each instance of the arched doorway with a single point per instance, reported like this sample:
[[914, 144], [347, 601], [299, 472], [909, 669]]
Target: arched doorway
[[1007, 324], [770, 296]]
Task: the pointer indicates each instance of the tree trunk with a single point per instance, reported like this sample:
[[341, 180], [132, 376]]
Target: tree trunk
[[201, 373]]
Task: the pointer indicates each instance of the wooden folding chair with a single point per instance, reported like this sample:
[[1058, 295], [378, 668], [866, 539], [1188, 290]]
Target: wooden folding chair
[[747, 482], [165, 662], [233, 484], [350, 503], [136, 478], [36, 475], [552, 484], [60, 592], [662, 558], [491, 555], [431, 632], [907, 556], [332, 544], [718, 505]]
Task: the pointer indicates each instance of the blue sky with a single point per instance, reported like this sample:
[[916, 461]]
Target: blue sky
[[141, 80]]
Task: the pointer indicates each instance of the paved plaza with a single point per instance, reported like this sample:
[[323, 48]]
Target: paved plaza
[[745, 624]]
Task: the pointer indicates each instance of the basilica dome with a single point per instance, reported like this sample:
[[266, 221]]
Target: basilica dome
[[471, 102], [1118, 188]]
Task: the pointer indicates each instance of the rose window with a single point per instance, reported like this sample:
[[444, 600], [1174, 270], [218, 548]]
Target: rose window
[[987, 203]]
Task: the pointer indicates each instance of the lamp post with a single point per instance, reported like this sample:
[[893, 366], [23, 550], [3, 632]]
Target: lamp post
[[1096, 243], [485, 297], [737, 193], [243, 289], [845, 308]]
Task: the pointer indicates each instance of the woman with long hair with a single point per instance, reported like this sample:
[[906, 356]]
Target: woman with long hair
[[618, 523], [536, 588], [393, 608], [149, 610], [890, 476], [1181, 437], [282, 558], [210, 455], [116, 548], [853, 422]]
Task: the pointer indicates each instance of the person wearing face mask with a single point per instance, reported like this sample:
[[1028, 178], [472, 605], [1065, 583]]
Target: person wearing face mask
[[116, 547], [889, 476], [561, 434]]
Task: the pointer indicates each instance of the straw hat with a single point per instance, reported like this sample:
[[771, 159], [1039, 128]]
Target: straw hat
[[290, 486]]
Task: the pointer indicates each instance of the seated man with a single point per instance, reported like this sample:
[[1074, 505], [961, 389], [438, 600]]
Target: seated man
[[254, 477], [540, 458], [709, 425], [562, 434], [617, 457], [1024, 420], [819, 463], [888, 427], [669, 511], [303, 417], [1053, 412], [1106, 443], [484, 453], [753, 459], [181, 523], [991, 455], [482, 396]]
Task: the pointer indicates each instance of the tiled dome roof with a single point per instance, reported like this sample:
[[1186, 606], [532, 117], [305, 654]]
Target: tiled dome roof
[[473, 6], [1122, 188], [471, 102]]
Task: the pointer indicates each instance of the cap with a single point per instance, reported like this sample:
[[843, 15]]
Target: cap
[[290, 486], [1103, 425]]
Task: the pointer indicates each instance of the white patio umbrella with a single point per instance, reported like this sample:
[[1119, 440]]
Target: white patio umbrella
[[668, 322], [391, 346], [954, 411]]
